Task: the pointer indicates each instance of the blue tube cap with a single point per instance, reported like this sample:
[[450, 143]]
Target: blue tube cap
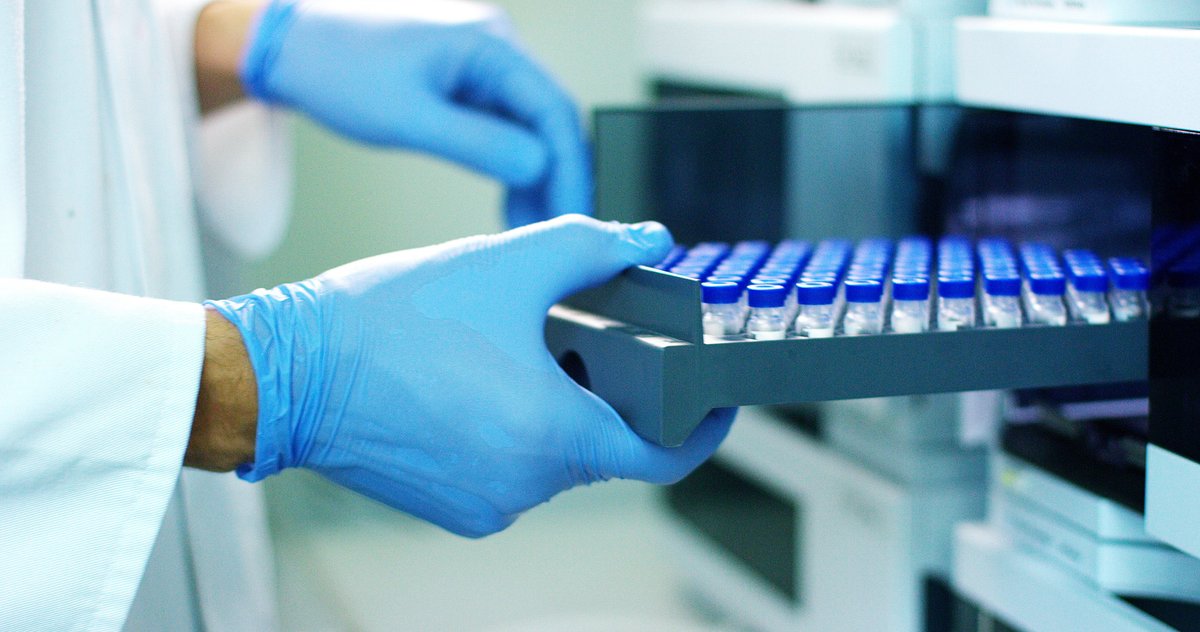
[[1126, 263], [864, 291], [910, 272], [720, 292], [910, 289], [676, 253], [764, 295], [868, 271], [956, 287], [820, 278], [1089, 280], [1002, 285], [1132, 280], [1047, 284], [690, 271], [815, 293]]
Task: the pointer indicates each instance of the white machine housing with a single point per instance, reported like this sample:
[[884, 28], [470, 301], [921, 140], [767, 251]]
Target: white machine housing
[[1120, 73], [866, 542], [1103, 542], [1124, 74], [836, 53], [1032, 593], [1098, 11]]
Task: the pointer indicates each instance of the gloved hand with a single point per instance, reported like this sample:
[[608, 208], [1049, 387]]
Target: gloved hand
[[421, 378], [440, 77]]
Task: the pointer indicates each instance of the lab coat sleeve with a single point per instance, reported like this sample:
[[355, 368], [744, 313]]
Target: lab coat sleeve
[[97, 394], [241, 155]]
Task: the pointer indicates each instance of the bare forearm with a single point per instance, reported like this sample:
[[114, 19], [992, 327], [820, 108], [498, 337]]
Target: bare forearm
[[223, 431], [224, 427], [221, 36]]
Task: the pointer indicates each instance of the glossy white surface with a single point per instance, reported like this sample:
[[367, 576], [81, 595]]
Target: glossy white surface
[[1172, 510], [806, 53], [1033, 594], [1127, 74]]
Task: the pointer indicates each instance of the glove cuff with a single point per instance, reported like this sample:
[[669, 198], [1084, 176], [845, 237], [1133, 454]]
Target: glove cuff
[[274, 334], [269, 29]]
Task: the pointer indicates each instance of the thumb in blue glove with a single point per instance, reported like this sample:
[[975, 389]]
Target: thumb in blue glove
[[440, 77], [421, 378]]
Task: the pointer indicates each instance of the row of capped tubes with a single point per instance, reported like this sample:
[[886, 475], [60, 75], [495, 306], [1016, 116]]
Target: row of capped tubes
[[838, 287]]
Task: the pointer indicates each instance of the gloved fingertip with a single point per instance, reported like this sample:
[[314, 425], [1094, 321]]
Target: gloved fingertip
[[714, 428], [651, 240], [699, 447]]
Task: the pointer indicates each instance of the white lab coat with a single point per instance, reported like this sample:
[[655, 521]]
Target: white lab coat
[[103, 166]]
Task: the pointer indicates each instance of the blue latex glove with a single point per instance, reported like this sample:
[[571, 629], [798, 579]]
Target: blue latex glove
[[421, 378], [439, 77]]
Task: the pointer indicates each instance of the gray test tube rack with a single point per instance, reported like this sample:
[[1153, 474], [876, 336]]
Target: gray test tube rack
[[637, 342]]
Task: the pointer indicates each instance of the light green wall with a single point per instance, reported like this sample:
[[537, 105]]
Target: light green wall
[[352, 201]]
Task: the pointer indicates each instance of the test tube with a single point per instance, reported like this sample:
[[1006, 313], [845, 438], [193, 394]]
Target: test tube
[[955, 285], [1087, 296], [1087, 287], [815, 317], [956, 302], [916, 251], [741, 283], [1038, 260], [910, 305], [826, 276], [1130, 283], [864, 314], [702, 259], [1002, 299], [870, 260], [673, 256], [767, 320], [722, 317], [744, 259], [1001, 283], [1044, 298], [782, 279]]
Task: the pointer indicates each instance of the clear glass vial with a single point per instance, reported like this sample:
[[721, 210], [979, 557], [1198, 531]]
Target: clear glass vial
[[815, 317], [1002, 301], [1044, 300], [1087, 295], [864, 314], [722, 316], [767, 319], [910, 305], [1130, 283], [956, 302], [741, 281], [789, 302]]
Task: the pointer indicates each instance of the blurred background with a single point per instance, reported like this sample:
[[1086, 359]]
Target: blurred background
[[352, 201]]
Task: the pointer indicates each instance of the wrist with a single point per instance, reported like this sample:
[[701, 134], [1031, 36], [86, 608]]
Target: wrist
[[223, 33], [226, 421], [279, 333], [262, 48]]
